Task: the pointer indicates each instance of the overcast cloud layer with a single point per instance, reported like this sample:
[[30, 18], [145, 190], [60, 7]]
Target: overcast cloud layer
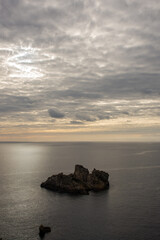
[[80, 67]]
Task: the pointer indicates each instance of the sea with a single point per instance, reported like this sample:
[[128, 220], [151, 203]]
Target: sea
[[129, 210]]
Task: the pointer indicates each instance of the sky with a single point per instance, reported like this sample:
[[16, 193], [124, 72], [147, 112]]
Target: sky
[[79, 70]]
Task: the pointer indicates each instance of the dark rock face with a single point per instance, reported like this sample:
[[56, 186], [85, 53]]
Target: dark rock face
[[81, 182]]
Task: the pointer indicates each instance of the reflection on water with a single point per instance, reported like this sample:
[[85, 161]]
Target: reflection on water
[[129, 210]]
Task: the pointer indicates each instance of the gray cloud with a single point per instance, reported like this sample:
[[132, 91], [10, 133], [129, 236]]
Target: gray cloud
[[55, 113]]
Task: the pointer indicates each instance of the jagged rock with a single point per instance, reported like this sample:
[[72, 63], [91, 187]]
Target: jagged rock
[[43, 230], [81, 182], [81, 173]]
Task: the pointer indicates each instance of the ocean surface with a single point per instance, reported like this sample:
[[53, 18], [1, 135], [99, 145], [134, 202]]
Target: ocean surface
[[129, 210]]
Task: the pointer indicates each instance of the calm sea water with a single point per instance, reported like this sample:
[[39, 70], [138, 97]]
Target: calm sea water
[[129, 210]]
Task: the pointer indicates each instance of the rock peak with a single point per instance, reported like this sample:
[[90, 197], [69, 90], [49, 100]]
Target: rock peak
[[81, 173]]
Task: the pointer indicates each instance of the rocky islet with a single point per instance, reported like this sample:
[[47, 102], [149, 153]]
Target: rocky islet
[[79, 182]]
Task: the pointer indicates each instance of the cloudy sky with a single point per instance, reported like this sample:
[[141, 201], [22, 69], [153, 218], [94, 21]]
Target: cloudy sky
[[79, 70]]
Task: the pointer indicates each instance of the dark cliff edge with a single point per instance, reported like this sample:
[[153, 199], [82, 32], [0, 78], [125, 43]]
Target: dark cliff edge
[[80, 182]]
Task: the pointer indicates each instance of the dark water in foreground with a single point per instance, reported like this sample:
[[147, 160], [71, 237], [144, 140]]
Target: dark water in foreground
[[129, 210]]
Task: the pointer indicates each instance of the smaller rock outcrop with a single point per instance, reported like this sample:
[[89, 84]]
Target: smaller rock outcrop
[[80, 182], [43, 230]]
